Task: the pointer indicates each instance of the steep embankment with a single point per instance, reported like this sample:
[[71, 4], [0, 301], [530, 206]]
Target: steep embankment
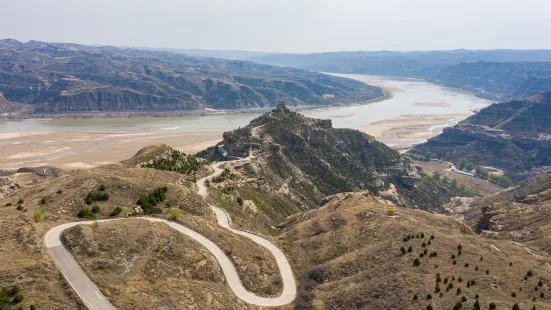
[[55, 77], [521, 214], [512, 136]]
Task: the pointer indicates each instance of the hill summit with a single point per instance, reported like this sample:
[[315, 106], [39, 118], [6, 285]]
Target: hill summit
[[312, 160]]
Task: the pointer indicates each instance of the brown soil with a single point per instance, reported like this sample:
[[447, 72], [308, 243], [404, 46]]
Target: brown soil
[[135, 274], [347, 256], [24, 260]]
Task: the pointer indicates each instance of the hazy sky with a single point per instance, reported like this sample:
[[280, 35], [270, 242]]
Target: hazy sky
[[283, 25]]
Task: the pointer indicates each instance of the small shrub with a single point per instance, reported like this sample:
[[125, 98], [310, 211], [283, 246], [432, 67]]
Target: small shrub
[[457, 306], [450, 285], [487, 271], [18, 298], [403, 250], [428, 242], [476, 296], [20, 201], [240, 201], [516, 307], [510, 263], [410, 249], [475, 268], [540, 283], [529, 273], [437, 288], [423, 244], [175, 214], [454, 262], [85, 213], [513, 294], [453, 256], [534, 307], [481, 258], [466, 264], [433, 254], [459, 279], [422, 235], [463, 298], [458, 290], [432, 237], [458, 253], [9, 204], [445, 280], [476, 305], [459, 247], [95, 209], [429, 296], [425, 252], [59, 191], [43, 201], [116, 211], [429, 307], [102, 188], [159, 246], [492, 306], [416, 262], [32, 307], [453, 278], [535, 288], [542, 295], [415, 297], [20, 207], [38, 215]]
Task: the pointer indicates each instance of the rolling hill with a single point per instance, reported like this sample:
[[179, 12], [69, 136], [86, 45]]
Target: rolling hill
[[64, 78]]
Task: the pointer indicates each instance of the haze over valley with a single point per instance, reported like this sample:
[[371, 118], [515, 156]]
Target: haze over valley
[[284, 155]]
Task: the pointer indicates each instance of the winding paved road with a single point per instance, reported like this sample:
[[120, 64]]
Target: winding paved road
[[94, 299]]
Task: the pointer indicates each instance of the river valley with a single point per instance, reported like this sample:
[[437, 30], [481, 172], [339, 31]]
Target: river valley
[[416, 111]]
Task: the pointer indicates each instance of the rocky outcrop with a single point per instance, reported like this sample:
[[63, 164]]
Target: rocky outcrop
[[315, 160], [61, 78]]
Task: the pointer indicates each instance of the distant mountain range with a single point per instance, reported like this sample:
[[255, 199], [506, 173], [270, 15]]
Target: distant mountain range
[[64, 77], [493, 74], [223, 54]]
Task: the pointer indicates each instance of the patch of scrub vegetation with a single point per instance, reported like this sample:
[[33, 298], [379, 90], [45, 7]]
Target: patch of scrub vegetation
[[99, 195], [176, 161], [149, 202], [253, 208], [225, 175], [11, 298], [484, 173]]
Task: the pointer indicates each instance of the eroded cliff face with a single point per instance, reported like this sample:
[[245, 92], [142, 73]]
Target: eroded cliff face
[[70, 77], [514, 136]]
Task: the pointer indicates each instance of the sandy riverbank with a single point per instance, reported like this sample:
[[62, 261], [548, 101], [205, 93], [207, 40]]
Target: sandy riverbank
[[81, 150], [406, 130]]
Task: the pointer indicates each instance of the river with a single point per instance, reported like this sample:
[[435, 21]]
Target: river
[[416, 111]]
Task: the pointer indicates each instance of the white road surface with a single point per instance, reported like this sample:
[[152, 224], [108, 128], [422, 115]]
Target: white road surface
[[95, 300]]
